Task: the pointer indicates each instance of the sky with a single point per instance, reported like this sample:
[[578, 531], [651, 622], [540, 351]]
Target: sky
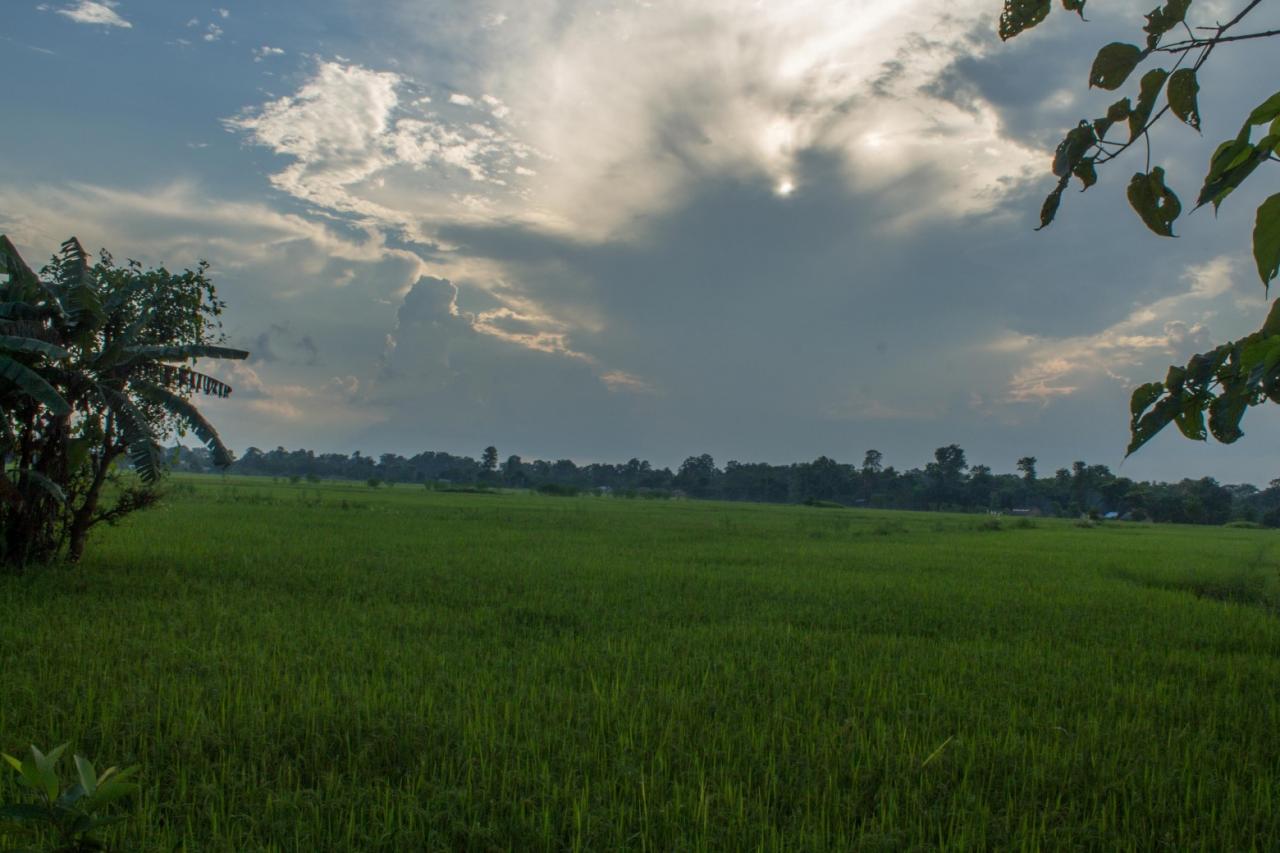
[[599, 229]]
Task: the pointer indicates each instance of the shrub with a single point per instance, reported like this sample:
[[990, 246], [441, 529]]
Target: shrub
[[558, 490], [66, 815]]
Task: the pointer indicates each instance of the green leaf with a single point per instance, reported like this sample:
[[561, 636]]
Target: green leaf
[[1272, 324], [1076, 6], [1086, 172], [24, 812], [1183, 89], [1119, 111], [1232, 162], [1190, 420], [1049, 209], [1268, 110], [1150, 424], [1020, 15], [143, 452], [1266, 240], [1225, 413], [183, 352], [1113, 65], [88, 776], [33, 385], [1149, 91], [1072, 149], [1161, 20], [188, 414], [15, 343], [11, 761], [1154, 202], [43, 483], [1143, 397]]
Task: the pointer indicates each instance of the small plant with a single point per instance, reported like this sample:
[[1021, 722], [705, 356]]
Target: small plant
[[69, 815], [989, 524]]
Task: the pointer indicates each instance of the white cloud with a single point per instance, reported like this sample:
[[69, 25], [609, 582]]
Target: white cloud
[[97, 12], [266, 52], [1169, 329], [212, 33], [223, 13], [347, 127], [626, 108]]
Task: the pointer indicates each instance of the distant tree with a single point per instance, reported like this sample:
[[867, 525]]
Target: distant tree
[[95, 366], [1027, 465], [1226, 381], [946, 473], [489, 461], [872, 462], [697, 475]]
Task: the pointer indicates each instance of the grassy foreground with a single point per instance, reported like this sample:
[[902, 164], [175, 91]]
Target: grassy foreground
[[334, 668]]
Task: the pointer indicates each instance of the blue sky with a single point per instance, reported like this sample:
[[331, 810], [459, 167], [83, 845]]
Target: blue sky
[[761, 230]]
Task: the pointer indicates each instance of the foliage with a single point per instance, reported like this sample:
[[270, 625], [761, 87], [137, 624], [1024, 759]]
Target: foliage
[[1223, 383], [93, 368], [942, 484], [67, 815]]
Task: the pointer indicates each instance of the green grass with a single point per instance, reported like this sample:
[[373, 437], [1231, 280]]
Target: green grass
[[301, 667]]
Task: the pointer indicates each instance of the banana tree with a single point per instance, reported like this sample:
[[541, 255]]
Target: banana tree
[[96, 363]]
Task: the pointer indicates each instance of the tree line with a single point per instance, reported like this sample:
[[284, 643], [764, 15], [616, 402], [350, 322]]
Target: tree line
[[948, 482]]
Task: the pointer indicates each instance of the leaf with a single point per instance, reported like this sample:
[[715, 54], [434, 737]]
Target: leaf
[[1076, 6], [1020, 15], [1267, 111], [1150, 424], [24, 812], [1225, 413], [143, 452], [183, 352], [1183, 88], [33, 385], [1154, 202], [21, 279], [1086, 172], [88, 776], [1113, 65], [1143, 397], [14, 343], [1266, 240], [79, 288], [1162, 19], [1190, 420], [44, 483], [1072, 149], [1232, 163], [1049, 209], [184, 411], [1150, 87], [1119, 111]]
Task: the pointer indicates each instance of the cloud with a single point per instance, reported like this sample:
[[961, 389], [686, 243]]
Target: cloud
[[266, 52], [347, 132], [599, 117], [96, 12], [1169, 329]]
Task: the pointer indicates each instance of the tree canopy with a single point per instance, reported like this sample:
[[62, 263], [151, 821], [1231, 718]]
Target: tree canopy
[[95, 368]]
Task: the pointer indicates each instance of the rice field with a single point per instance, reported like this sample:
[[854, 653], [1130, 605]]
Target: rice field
[[334, 667]]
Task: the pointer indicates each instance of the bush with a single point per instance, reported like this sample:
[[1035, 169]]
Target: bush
[[558, 490], [1242, 524], [66, 815], [989, 524]]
